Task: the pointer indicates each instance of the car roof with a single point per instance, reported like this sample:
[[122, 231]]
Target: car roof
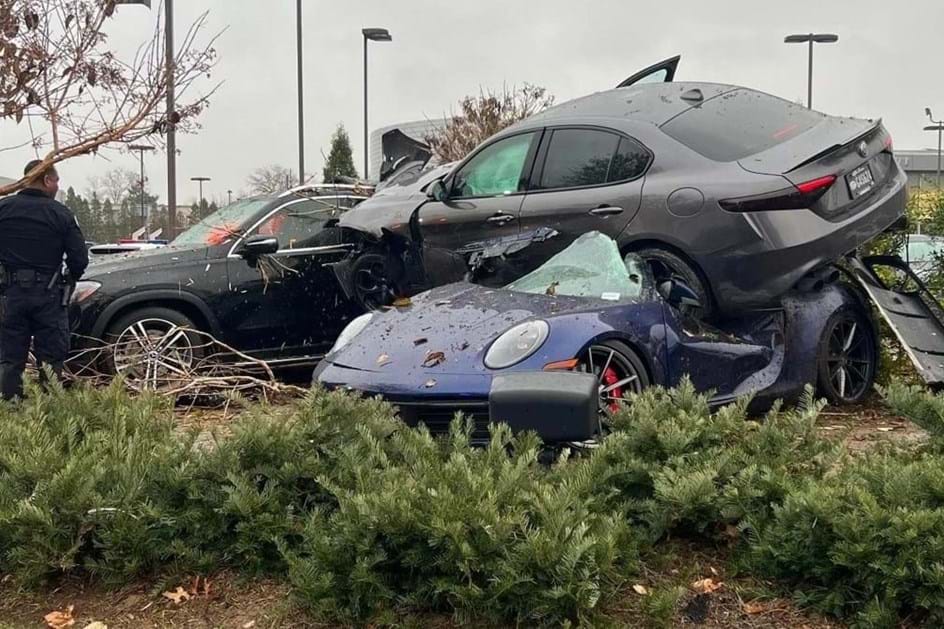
[[654, 103]]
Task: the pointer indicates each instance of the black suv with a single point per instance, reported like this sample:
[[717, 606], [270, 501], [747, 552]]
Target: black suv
[[253, 275]]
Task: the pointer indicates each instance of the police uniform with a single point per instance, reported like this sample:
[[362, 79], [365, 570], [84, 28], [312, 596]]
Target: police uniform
[[35, 232]]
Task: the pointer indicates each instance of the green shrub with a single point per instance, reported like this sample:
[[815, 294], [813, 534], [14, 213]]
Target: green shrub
[[432, 523], [915, 403]]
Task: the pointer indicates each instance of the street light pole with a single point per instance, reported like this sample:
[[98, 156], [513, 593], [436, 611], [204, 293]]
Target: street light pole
[[229, 197], [301, 95], [142, 149], [811, 38], [939, 127], [200, 180], [370, 34], [171, 120]]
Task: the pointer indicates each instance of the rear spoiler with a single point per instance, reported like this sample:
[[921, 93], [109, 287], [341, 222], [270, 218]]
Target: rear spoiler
[[837, 145]]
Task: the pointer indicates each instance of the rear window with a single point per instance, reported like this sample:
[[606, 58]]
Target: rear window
[[740, 123]]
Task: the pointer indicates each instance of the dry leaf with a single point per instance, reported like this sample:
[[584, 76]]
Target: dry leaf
[[707, 586], [430, 384], [60, 619], [402, 302], [382, 360], [712, 570], [249, 625], [552, 289], [754, 608], [96, 625], [641, 590], [434, 358], [178, 596], [885, 429]]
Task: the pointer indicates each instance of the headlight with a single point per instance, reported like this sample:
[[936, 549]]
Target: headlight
[[516, 344], [353, 328], [84, 290]]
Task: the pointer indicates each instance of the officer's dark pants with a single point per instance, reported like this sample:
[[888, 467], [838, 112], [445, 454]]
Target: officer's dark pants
[[31, 313]]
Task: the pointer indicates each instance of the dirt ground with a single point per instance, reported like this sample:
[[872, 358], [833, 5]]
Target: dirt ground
[[693, 577]]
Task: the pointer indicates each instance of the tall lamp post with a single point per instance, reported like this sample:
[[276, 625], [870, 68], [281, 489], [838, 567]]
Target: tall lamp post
[[229, 197], [370, 34], [200, 180], [301, 96], [939, 127], [811, 38], [142, 149]]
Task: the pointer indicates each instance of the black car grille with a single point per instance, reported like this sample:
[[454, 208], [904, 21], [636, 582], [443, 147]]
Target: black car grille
[[438, 416]]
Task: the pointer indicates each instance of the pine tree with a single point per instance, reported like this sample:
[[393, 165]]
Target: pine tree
[[341, 159]]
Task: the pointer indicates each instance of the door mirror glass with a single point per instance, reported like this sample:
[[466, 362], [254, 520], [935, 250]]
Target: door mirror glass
[[256, 246], [436, 191]]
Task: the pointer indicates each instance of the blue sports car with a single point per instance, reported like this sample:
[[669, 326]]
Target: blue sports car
[[559, 346]]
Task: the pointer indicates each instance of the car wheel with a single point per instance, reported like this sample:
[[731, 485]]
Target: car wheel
[[618, 370], [371, 281], [152, 347], [847, 357], [667, 265]]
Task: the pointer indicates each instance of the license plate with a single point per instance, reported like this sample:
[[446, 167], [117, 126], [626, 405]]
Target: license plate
[[860, 181]]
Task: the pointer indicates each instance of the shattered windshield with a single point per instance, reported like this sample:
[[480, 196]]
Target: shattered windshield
[[590, 267], [224, 224]]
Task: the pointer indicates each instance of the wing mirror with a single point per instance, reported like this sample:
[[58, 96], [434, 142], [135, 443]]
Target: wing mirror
[[258, 246], [678, 294], [436, 191]]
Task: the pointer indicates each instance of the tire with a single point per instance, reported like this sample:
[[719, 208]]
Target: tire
[[847, 356], [665, 263], [151, 346], [619, 362]]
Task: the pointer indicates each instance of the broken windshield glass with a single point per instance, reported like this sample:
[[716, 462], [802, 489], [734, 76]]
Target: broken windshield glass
[[590, 267], [224, 224]]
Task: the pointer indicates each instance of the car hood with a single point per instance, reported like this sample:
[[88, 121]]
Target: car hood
[[460, 320], [146, 259], [391, 208]]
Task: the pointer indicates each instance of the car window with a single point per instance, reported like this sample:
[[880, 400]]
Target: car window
[[496, 170], [739, 123], [590, 157], [590, 267], [302, 224]]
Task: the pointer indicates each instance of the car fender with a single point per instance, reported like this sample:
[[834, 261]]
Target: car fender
[[152, 297]]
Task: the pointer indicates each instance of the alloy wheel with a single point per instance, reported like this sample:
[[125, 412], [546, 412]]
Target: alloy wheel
[[616, 375], [152, 352], [850, 358]]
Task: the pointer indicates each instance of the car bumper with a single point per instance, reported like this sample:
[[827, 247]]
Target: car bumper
[[558, 406], [792, 243]]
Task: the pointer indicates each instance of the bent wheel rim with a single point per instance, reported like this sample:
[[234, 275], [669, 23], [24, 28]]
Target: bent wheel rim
[[849, 358], [370, 282], [616, 376], [152, 352]]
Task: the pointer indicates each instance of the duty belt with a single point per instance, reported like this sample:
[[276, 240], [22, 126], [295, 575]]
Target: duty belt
[[29, 277]]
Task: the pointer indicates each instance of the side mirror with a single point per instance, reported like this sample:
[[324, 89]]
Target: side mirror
[[678, 295], [436, 191], [258, 246]]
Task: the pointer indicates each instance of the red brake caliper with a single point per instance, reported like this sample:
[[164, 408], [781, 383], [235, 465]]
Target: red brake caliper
[[609, 378]]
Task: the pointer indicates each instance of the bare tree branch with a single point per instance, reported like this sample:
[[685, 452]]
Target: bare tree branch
[[55, 66]]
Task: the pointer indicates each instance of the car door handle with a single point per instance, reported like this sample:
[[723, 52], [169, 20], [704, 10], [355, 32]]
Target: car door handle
[[606, 210], [500, 219]]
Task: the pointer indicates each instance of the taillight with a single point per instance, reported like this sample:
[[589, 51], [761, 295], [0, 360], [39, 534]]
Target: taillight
[[799, 197]]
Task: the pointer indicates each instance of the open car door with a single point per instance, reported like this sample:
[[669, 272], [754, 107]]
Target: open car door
[[909, 308], [662, 72]]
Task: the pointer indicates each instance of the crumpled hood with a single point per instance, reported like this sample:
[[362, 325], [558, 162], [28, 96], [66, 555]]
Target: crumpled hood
[[391, 208], [142, 260], [460, 320]]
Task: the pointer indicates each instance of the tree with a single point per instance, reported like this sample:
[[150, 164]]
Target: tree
[[484, 115], [271, 179], [116, 184], [58, 76], [340, 162]]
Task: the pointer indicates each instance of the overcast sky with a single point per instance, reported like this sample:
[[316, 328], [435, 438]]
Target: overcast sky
[[887, 63]]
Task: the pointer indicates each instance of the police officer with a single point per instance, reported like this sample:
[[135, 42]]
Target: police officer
[[36, 232]]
